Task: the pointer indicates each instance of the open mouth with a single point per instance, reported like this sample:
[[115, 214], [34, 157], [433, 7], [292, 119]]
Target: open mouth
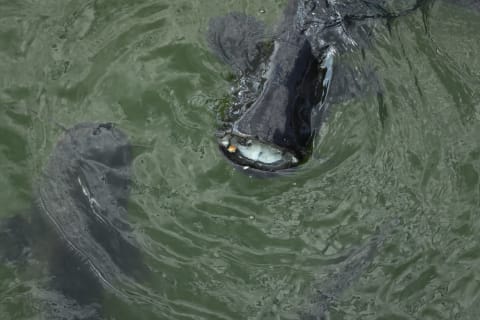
[[251, 153]]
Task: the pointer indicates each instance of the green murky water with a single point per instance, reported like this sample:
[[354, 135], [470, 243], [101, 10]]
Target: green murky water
[[222, 245]]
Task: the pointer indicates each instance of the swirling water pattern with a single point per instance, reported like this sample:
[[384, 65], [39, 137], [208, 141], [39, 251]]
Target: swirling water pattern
[[222, 245]]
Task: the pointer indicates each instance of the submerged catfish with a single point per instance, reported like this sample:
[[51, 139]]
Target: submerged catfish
[[288, 79], [79, 224], [83, 194]]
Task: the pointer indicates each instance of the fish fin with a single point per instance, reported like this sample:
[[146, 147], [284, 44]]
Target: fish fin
[[238, 40]]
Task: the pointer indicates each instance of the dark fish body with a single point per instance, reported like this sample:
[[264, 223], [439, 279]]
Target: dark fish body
[[82, 196], [278, 123], [281, 114]]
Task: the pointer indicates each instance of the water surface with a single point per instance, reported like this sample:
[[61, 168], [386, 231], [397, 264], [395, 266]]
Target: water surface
[[222, 245]]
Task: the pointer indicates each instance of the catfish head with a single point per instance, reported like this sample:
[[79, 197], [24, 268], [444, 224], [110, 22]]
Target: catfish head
[[283, 80]]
